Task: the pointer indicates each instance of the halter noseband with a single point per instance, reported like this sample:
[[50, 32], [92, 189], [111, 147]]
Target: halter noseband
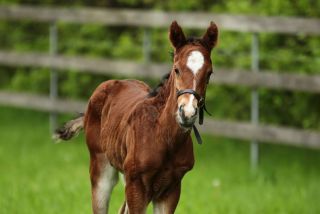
[[201, 106]]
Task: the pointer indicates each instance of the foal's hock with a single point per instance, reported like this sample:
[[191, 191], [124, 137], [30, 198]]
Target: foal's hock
[[145, 134]]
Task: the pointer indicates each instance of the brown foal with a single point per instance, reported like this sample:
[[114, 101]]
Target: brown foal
[[145, 134]]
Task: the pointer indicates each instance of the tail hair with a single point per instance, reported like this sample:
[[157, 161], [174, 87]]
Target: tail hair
[[69, 129]]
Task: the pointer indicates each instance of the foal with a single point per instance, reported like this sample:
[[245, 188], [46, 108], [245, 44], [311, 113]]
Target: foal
[[146, 135]]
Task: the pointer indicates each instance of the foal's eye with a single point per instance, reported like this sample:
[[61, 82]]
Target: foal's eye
[[176, 70]]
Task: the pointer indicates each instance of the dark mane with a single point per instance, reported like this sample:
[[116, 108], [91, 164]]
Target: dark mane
[[193, 40], [154, 92], [197, 41]]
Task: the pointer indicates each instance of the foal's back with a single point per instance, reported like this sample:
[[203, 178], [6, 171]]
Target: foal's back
[[106, 120]]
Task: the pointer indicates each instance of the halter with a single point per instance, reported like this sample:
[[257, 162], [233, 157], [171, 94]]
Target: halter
[[201, 106]]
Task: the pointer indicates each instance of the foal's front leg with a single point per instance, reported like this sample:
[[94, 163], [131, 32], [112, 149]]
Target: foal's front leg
[[136, 196], [167, 203], [103, 178]]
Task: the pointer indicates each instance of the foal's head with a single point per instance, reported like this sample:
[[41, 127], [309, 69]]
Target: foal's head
[[191, 69]]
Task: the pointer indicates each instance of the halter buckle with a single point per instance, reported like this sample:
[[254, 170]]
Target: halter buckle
[[201, 102]]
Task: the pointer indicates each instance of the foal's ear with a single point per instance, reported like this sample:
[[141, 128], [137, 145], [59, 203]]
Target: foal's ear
[[211, 36], [176, 35]]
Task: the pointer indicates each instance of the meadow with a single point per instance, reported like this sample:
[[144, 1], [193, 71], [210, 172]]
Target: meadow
[[38, 176]]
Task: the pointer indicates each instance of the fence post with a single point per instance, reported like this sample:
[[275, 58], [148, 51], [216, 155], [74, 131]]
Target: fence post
[[254, 148], [53, 74], [146, 45]]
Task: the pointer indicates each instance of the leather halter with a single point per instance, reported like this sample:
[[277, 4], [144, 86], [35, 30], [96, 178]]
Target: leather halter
[[201, 106]]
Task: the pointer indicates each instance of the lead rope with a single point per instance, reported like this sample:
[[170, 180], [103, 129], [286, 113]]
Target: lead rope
[[197, 134], [195, 130]]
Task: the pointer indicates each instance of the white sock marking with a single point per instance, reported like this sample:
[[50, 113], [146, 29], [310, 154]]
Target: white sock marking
[[126, 209], [195, 61], [159, 208], [107, 181]]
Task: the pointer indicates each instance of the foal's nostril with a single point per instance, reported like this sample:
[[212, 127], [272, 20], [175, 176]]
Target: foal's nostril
[[181, 108]]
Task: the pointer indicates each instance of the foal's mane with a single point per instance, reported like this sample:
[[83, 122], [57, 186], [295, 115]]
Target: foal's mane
[[190, 40], [155, 91], [196, 41]]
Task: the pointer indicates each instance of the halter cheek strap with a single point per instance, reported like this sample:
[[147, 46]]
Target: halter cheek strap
[[201, 106]]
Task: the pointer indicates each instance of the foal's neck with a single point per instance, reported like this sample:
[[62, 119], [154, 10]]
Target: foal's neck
[[167, 101]]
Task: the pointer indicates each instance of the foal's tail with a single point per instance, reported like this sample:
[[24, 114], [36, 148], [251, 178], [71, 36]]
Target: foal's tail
[[69, 129]]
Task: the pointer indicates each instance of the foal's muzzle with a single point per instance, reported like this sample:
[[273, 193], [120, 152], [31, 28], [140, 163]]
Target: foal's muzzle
[[188, 114], [201, 107]]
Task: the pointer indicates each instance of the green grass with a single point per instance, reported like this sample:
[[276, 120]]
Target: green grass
[[38, 176]]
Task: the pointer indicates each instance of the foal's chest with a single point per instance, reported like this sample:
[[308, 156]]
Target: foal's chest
[[173, 168]]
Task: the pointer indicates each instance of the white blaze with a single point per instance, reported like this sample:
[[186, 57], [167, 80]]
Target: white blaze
[[189, 110], [195, 61]]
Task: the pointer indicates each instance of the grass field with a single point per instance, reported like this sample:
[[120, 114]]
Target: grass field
[[38, 176]]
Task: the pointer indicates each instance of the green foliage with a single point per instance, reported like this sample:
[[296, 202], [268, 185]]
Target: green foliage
[[24, 36], [278, 52], [127, 46], [40, 78]]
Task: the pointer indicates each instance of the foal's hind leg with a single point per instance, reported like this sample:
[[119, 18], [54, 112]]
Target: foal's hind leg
[[124, 208], [103, 178]]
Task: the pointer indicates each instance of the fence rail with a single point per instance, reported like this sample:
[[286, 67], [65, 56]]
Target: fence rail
[[153, 19], [148, 19], [264, 79], [40, 102], [240, 130]]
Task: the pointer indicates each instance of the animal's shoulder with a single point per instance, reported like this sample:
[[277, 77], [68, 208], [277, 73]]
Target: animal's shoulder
[[144, 112]]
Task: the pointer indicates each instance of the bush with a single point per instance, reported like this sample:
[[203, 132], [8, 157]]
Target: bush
[[293, 53]]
